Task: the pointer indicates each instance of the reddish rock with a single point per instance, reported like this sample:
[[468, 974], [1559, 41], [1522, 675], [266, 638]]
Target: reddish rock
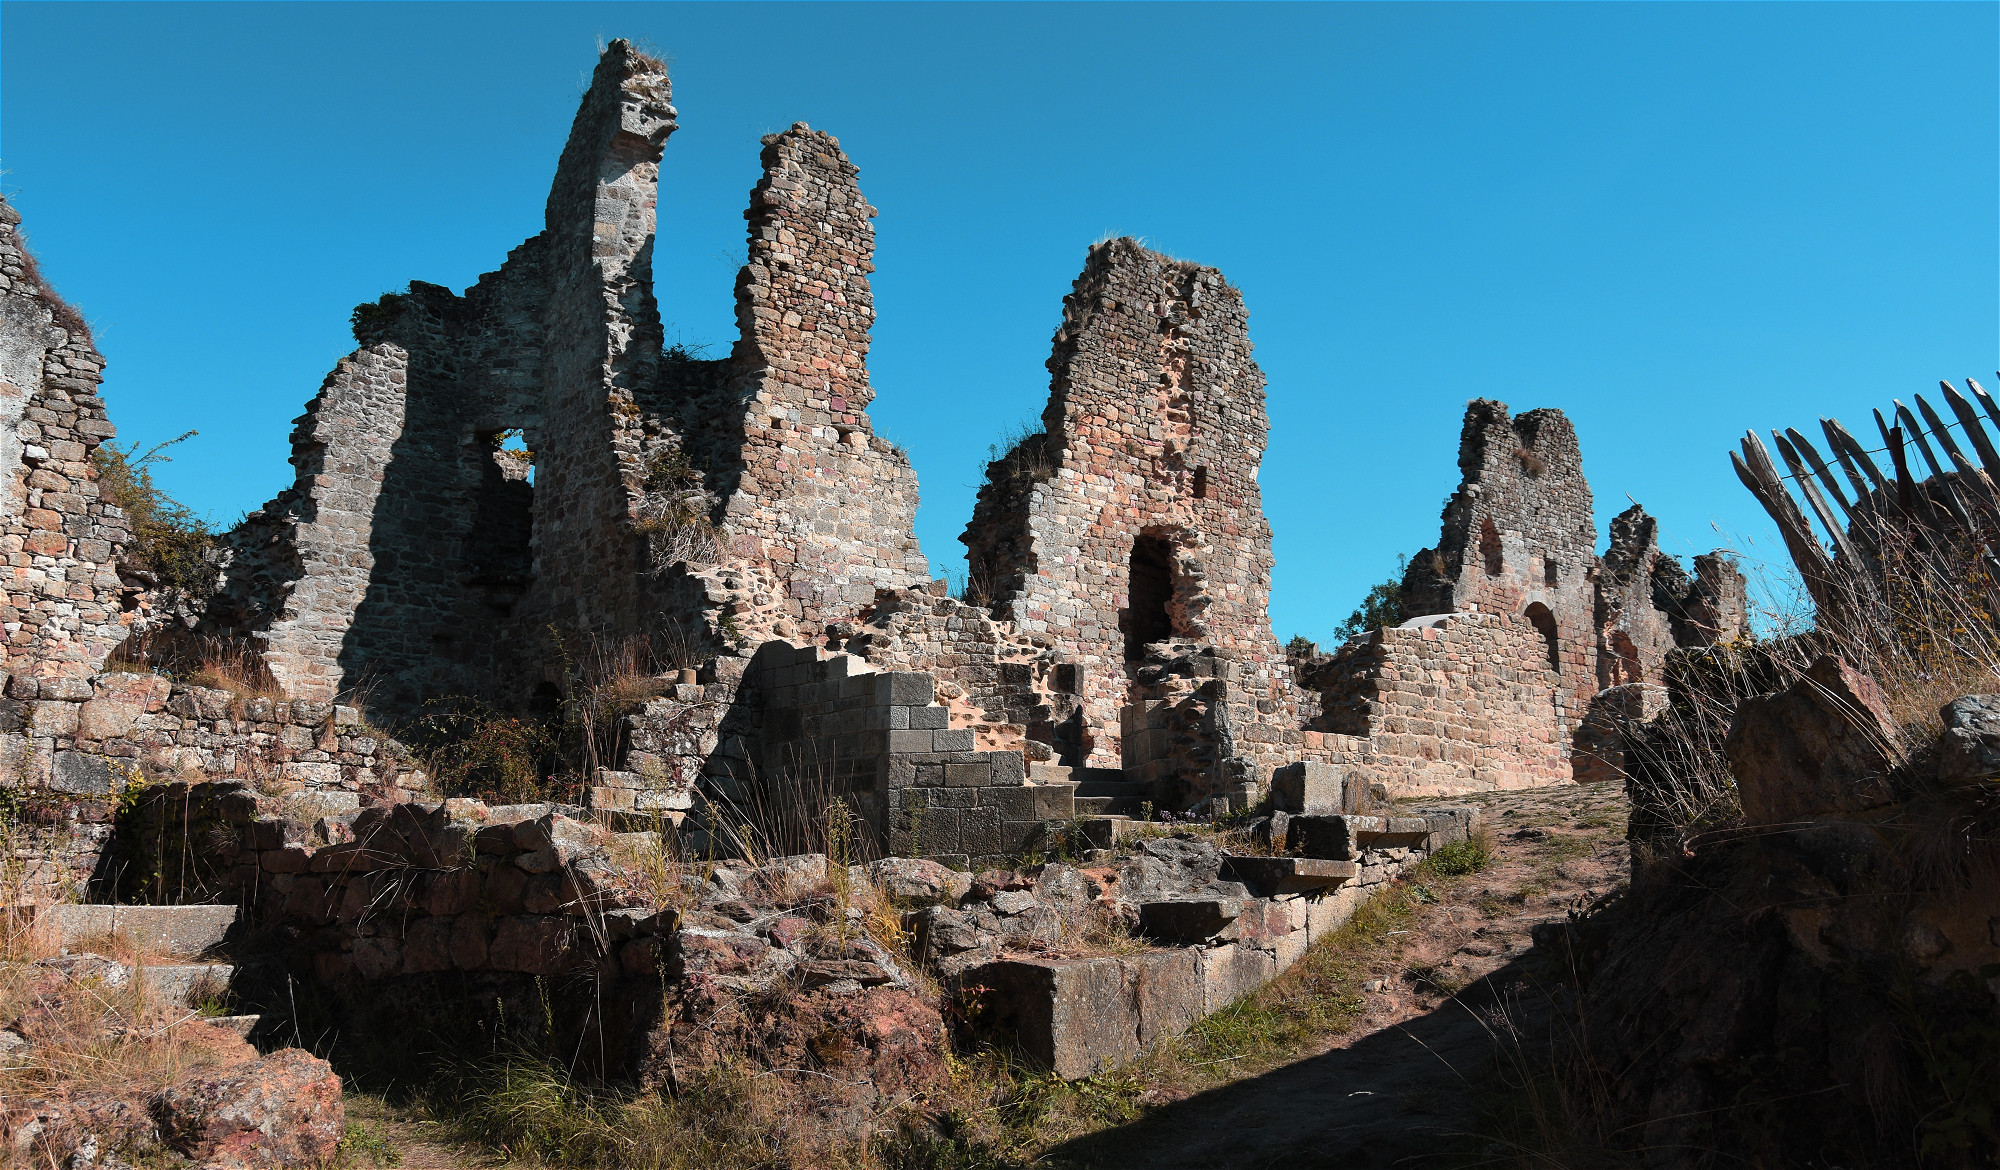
[[531, 943], [281, 1111], [1822, 746]]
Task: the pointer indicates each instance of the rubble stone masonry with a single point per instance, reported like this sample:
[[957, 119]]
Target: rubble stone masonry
[[60, 597], [1135, 517]]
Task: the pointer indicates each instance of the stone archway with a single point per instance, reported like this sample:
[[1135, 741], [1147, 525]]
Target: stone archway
[[1538, 615]]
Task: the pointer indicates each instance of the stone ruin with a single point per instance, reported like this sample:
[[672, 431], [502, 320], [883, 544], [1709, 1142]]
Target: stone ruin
[[1112, 654], [1113, 648]]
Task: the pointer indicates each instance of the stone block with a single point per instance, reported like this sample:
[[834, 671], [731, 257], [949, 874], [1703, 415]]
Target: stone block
[[905, 688], [931, 718], [1054, 802], [1309, 788], [912, 742], [160, 930], [1015, 804], [959, 740], [1228, 973], [1008, 767], [83, 775], [52, 718], [1331, 838], [981, 833], [968, 775], [1079, 1017], [1274, 876]]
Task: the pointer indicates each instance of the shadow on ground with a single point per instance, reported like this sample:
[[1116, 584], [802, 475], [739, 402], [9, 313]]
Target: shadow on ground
[[1404, 1096]]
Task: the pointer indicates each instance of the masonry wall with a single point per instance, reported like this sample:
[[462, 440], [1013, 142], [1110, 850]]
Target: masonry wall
[[1518, 537], [1459, 705], [811, 492], [1153, 435], [61, 601]]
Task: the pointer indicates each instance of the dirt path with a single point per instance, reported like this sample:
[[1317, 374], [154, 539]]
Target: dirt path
[[1402, 1087]]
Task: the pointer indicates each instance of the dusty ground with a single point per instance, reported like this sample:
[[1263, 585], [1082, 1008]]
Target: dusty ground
[[1402, 1087]]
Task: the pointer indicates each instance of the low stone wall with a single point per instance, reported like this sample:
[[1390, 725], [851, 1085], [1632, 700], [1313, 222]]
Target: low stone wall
[[51, 844], [1444, 705], [97, 736], [1223, 925]]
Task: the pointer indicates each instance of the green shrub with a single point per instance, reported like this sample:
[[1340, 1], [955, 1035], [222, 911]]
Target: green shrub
[[1382, 607], [168, 539], [1462, 857]]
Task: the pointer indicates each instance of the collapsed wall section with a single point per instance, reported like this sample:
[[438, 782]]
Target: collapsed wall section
[[415, 553], [1135, 519], [1443, 706], [61, 600]]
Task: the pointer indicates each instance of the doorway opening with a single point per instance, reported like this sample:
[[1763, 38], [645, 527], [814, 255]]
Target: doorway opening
[[1545, 622], [1149, 590]]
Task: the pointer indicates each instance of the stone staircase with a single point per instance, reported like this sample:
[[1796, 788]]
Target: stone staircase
[[183, 944]]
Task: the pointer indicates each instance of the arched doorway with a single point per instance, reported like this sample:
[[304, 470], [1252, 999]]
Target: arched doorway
[[1544, 622]]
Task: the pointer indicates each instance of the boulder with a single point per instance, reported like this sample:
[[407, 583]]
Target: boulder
[[1969, 748], [919, 880], [1822, 746], [1168, 867], [283, 1110]]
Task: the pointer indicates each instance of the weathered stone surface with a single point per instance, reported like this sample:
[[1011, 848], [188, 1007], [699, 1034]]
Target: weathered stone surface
[[1309, 788], [1969, 747], [1822, 746], [283, 1110], [159, 930], [1082, 1016], [1188, 920]]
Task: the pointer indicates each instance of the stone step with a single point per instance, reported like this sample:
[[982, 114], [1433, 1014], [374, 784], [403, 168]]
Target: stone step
[[241, 1025], [1102, 832], [1095, 806], [159, 930], [1272, 876], [178, 983]]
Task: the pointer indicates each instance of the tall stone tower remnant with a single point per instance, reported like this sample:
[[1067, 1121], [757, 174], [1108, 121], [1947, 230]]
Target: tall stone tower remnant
[[652, 492], [1132, 524]]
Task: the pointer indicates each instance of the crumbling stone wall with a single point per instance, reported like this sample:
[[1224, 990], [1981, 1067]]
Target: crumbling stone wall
[[1135, 518], [1443, 706], [1519, 538], [61, 602], [124, 729], [808, 490], [698, 503], [1647, 605]]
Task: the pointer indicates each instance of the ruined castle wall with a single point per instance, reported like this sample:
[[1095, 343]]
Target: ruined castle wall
[[61, 602], [812, 500], [1460, 705], [1519, 537], [1637, 586], [1154, 431], [601, 350]]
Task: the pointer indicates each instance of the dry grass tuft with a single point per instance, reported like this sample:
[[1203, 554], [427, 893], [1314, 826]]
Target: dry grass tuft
[[94, 1035]]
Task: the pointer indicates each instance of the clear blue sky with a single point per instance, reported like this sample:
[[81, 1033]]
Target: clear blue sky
[[1673, 222]]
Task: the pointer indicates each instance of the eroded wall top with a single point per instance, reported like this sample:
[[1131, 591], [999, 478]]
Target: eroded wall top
[[61, 601], [1135, 518]]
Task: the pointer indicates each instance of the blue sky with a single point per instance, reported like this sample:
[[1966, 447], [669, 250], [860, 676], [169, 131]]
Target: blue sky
[[1673, 222]]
